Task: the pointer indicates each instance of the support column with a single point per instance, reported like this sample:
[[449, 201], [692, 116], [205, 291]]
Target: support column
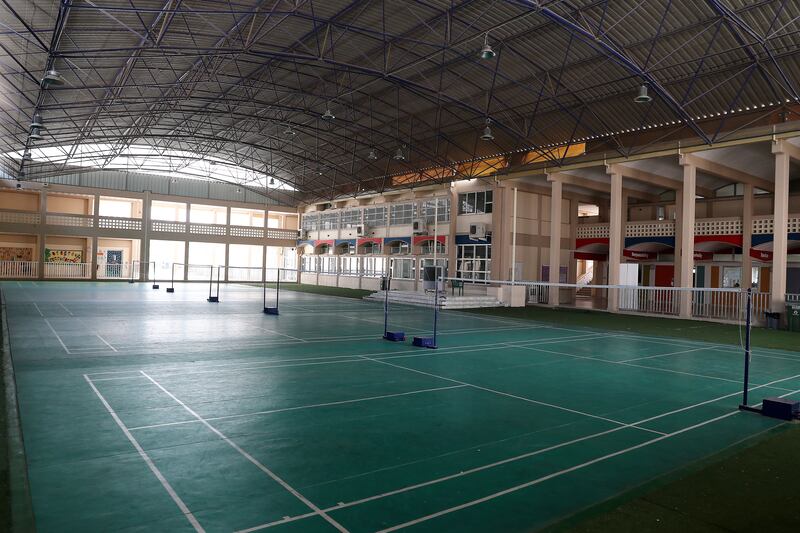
[[780, 228], [555, 239], [452, 247], [96, 223], [747, 236], [614, 238], [676, 260], [186, 249], [688, 195], [144, 245], [42, 230]]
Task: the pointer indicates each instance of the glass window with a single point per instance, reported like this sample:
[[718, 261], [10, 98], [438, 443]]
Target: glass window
[[427, 247], [375, 216], [474, 261], [403, 268], [374, 267], [428, 208], [475, 203], [351, 218], [371, 248], [329, 220], [399, 248], [170, 211], [441, 263], [349, 266], [731, 277], [310, 222], [402, 214]]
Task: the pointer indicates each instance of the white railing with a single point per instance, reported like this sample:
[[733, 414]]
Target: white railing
[[168, 226], [207, 229], [592, 231], [718, 226], [274, 233], [650, 228], [77, 221], [793, 298], [247, 231], [8, 216], [114, 271], [245, 273], [67, 270], [19, 269], [133, 224], [649, 300]]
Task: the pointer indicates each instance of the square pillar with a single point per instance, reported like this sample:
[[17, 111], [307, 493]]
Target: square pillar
[[676, 259], [144, 246], [747, 236], [42, 230], [555, 239], [780, 230], [688, 195], [614, 237]]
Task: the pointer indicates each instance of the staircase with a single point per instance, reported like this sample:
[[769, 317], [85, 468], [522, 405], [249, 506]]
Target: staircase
[[426, 300]]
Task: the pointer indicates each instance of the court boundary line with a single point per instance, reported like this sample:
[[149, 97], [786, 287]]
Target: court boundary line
[[662, 355], [252, 459], [38, 309], [148, 461], [511, 459], [49, 325], [300, 407]]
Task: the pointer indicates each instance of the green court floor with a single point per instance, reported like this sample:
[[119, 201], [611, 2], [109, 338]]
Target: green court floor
[[148, 411]]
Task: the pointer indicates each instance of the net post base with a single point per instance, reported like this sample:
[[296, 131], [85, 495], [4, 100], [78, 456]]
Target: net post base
[[271, 311], [130, 281], [170, 289], [749, 409], [213, 299], [155, 286], [424, 342], [394, 336]]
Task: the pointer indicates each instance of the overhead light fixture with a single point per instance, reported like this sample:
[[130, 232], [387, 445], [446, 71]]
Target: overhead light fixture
[[36, 122], [487, 132], [486, 51], [27, 156], [289, 130], [328, 114], [372, 155], [399, 156], [52, 77], [238, 190], [272, 181], [643, 97], [35, 135]]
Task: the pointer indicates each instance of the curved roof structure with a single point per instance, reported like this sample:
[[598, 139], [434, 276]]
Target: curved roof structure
[[336, 97]]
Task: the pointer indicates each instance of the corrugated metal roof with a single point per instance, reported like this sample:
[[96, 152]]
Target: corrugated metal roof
[[227, 79]]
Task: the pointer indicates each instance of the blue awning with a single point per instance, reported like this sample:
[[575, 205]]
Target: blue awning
[[351, 242], [390, 240], [668, 241], [464, 239]]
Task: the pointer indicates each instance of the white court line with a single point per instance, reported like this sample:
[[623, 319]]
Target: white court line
[[105, 341], [37, 308], [281, 334], [153, 468], [20, 284], [49, 325], [508, 460], [728, 348], [357, 358], [299, 407], [509, 395], [252, 459], [65, 309], [662, 355]]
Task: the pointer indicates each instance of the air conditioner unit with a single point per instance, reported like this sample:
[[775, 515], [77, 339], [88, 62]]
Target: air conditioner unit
[[419, 226], [477, 231], [362, 231]]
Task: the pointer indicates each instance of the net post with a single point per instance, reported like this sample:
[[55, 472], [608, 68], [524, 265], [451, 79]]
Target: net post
[[748, 312], [269, 310], [394, 336], [155, 282], [213, 299], [171, 287], [133, 265]]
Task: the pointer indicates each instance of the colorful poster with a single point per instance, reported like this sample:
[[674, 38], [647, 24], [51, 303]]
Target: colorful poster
[[63, 256], [16, 254]]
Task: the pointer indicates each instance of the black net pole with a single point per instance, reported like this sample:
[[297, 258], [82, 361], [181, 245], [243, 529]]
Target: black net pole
[[213, 299], [155, 282], [171, 287], [278, 289], [748, 311]]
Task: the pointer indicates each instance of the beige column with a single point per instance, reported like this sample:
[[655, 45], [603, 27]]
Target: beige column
[[747, 235], [144, 245], [780, 228], [687, 234], [676, 260], [96, 222], [186, 249], [555, 239], [614, 237], [451, 247], [42, 230]]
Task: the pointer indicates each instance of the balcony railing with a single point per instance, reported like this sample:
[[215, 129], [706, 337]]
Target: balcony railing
[[132, 224], [19, 269], [78, 221], [8, 216], [67, 270], [762, 225]]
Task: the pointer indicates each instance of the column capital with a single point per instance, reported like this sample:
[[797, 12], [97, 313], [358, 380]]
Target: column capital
[[686, 160]]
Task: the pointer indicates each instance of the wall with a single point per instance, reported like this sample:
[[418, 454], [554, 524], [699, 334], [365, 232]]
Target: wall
[[18, 247], [55, 242], [69, 204], [19, 201], [130, 249]]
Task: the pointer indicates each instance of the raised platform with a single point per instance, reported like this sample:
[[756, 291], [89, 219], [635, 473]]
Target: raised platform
[[426, 300]]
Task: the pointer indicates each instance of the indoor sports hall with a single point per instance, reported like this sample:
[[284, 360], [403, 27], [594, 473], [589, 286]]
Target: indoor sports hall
[[374, 266]]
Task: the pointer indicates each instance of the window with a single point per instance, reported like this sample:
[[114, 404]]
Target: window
[[371, 248], [399, 248], [329, 220], [247, 217], [474, 261], [348, 266], [441, 263], [403, 268], [427, 247], [310, 222], [309, 263], [345, 249], [351, 218], [375, 216], [475, 203], [731, 277], [374, 267], [328, 264], [428, 210], [402, 214]]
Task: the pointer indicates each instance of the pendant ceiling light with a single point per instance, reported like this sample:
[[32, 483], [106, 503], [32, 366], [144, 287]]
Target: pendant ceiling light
[[35, 135], [36, 122], [328, 114], [486, 51], [372, 155], [52, 77], [399, 156], [487, 132], [643, 97]]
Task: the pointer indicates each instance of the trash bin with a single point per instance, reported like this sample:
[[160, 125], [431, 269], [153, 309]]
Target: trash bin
[[773, 320], [385, 283], [793, 317]]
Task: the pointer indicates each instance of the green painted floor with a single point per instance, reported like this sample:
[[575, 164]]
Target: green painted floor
[[148, 411]]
